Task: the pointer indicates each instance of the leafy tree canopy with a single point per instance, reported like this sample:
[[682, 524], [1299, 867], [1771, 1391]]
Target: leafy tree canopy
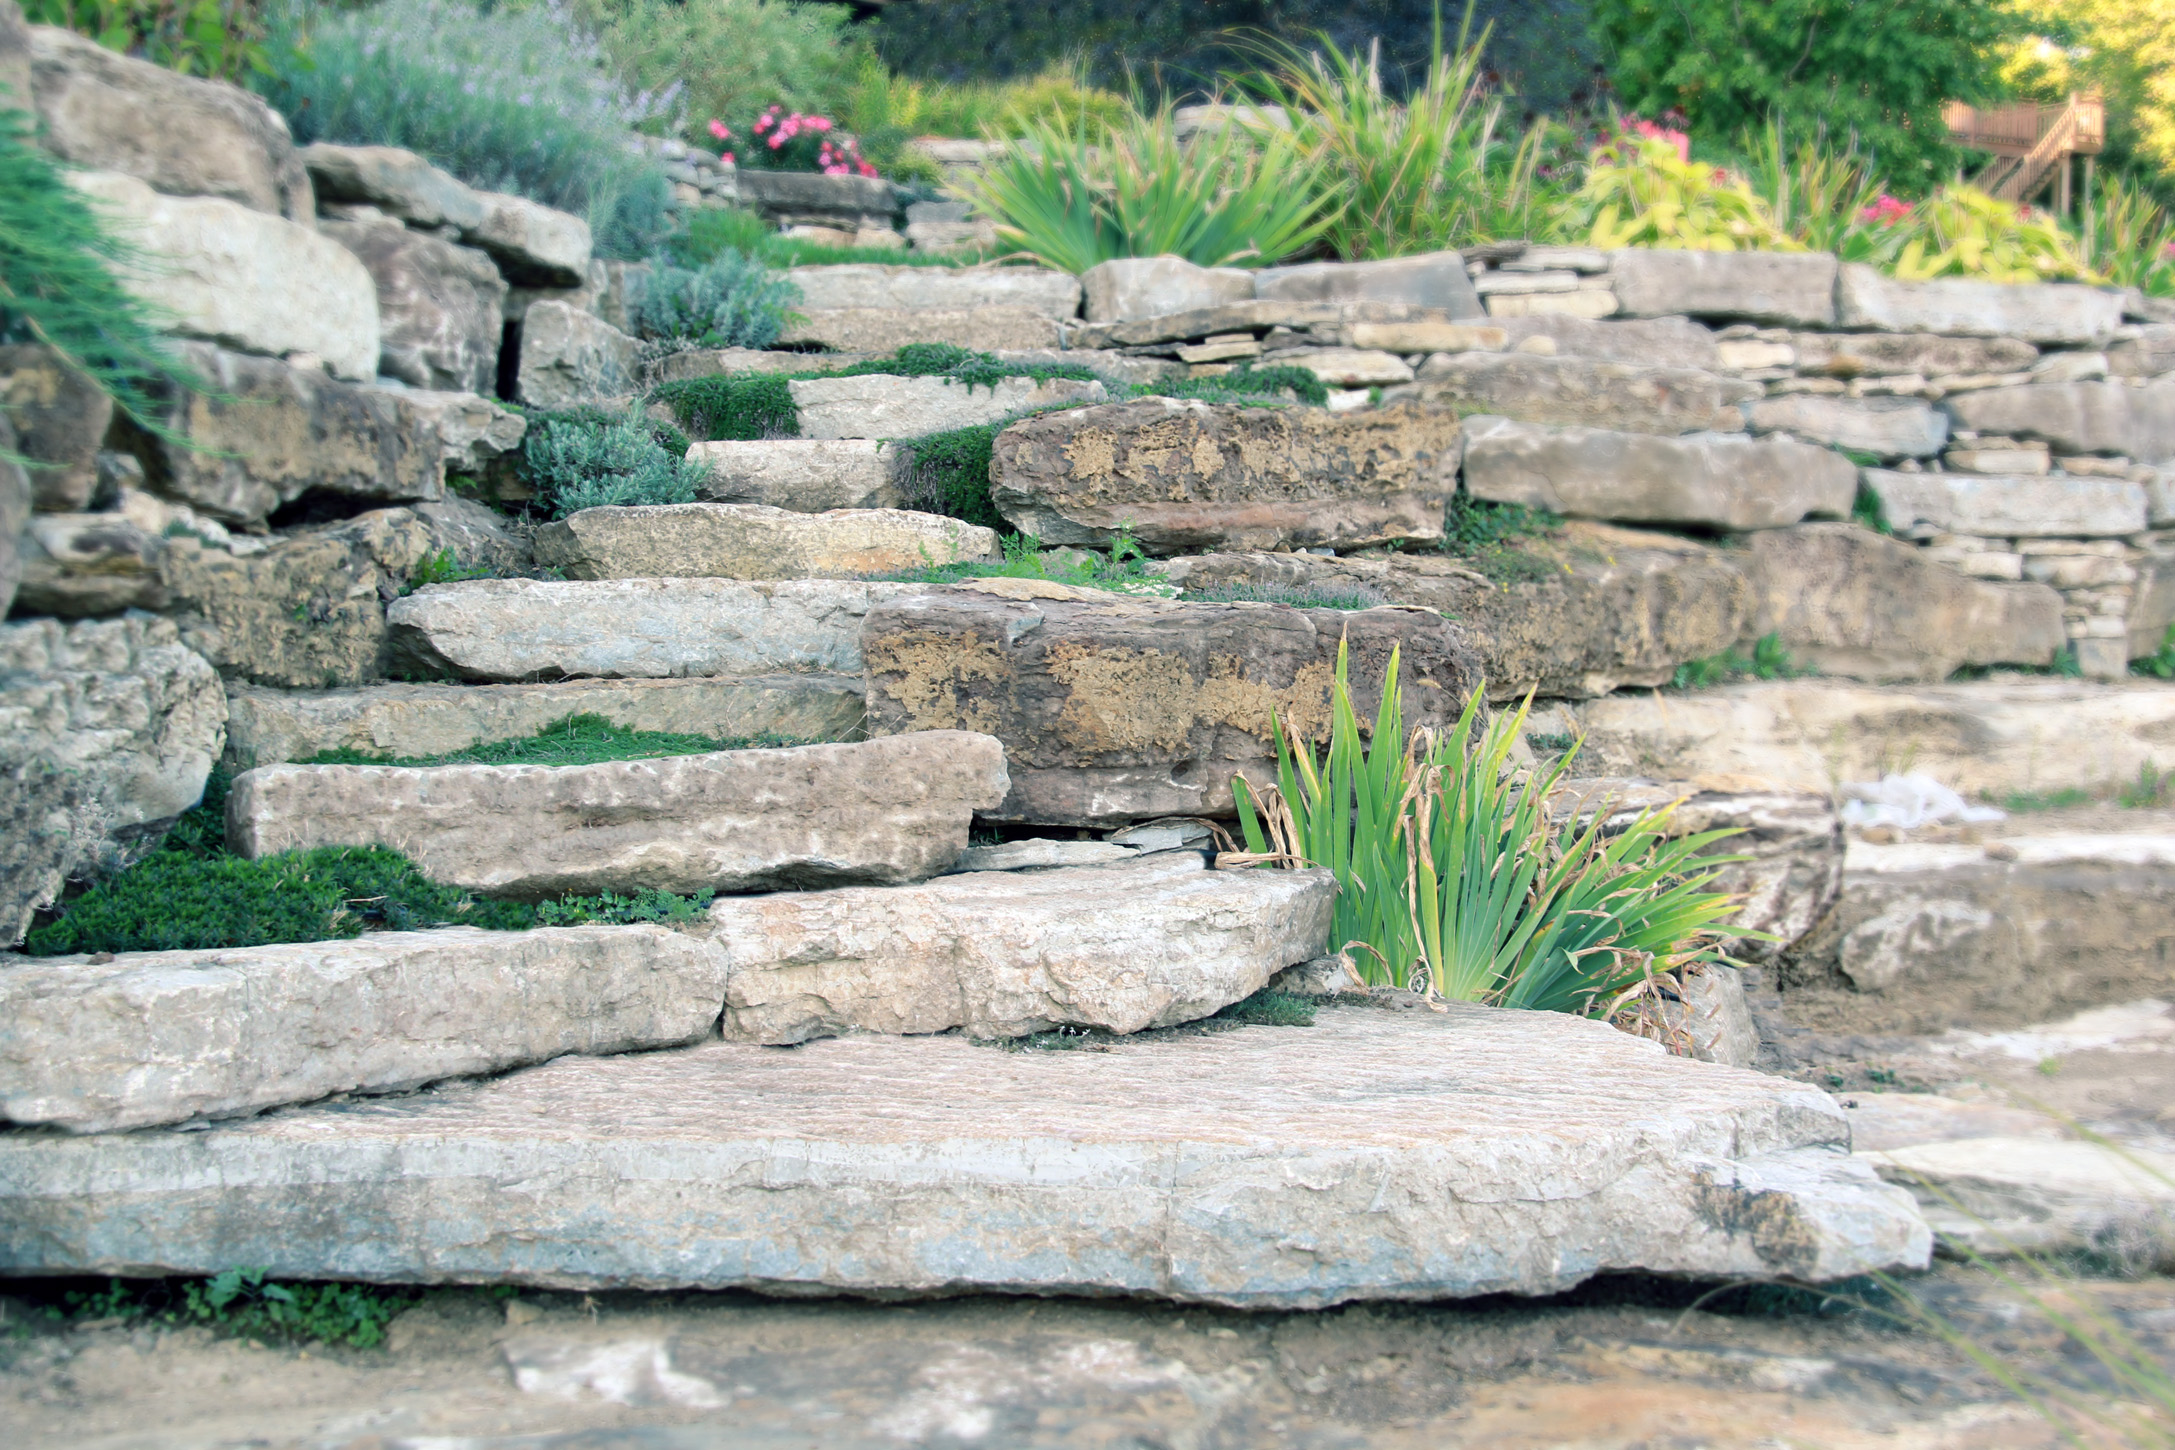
[[1876, 69]]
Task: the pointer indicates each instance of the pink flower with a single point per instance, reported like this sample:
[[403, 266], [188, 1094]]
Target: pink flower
[[720, 130], [2168, 251], [818, 123], [762, 122], [726, 157], [777, 141], [1647, 130], [1886, 211]]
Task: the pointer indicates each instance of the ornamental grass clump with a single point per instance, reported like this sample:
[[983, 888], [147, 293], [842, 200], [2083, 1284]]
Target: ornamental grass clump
[[1244, 196], [1455, 876]]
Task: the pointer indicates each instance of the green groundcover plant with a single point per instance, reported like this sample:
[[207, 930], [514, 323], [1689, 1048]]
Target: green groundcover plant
[[1453, 877], [507, 99]]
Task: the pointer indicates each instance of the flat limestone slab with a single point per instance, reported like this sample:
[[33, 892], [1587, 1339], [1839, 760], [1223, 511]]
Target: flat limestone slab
[[1979, 736], [807, 475], [2000, 1195], [1712, 480], [733, 820], [1376, 1155], [879, 405], [2056, 505], [539, 629], [754, 541], [163, 1037], [1122, 947], [265, 727]]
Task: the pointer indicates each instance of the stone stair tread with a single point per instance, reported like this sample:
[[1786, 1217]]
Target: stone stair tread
[[1377, 1154]]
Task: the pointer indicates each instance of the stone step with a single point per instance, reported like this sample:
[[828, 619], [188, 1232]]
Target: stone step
[[1043, 291], [1187, 476], [754, 541], [1981, 737], [1703, 480], [143, 1038], [887, 329], [881, 405], [1626, 396], [2015, 929], [2000, 1196], [1401, 1155], [511, 630], [1006, 954], [735, 820], [1115, 709], [807, 475], [266, 727]]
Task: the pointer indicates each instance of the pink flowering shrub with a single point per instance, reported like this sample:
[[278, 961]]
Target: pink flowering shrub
[[1885, 211], [782, 140]]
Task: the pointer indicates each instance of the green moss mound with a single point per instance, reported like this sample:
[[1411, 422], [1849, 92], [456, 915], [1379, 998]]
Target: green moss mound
[[586, 739]]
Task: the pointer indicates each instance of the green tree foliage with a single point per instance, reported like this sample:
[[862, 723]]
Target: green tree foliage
[[728, 58], [57, 278], [1875, 72]]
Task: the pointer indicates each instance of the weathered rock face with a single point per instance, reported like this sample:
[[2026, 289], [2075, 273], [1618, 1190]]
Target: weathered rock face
[[1622, 396], [569, 356], [243, 278], [1050, 294], [2104, 417], [164, 1037], [107, 732], [15, 500], [2014, 506], [1793, 839], [400, 183], [1853, 603], [15, 53], [529, 629], [1660, 342], [737, 820], [1887, 427], [77, 566], [535, 245], [883, 330], [879, 405], [186, 137], [306, 613], [266, 727], [1613, 607], [2149, 354], [1113, 710], [807, 198], [60, 419], [265, 434], [1928, 937], [1250, 1168], [1431, 279], [2032, 312], [1707, 480], [1190, 475], [807, 475], [2003, 1196], [1792, 289], [473, 431], [1349, 367], [1004, 955], [1987, 737], [1890, 354], [1135, 287], [438, 306], [751, 541]]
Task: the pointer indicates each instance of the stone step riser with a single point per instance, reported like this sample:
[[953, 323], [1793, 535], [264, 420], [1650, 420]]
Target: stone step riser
[[881, 811]]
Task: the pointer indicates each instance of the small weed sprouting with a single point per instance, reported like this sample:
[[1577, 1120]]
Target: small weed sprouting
[[1866, 509], [1122, 569], [2151, 788], [1268, 1008], [1487, 534], [2023, 802], [1768, 661], [1550, 742], [2160, 664], [249, 1304], [442, 567]]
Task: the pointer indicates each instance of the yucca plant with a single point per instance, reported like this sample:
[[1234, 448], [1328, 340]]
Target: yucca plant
[[1454, 877], [2130, 238], [1241, 196]]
